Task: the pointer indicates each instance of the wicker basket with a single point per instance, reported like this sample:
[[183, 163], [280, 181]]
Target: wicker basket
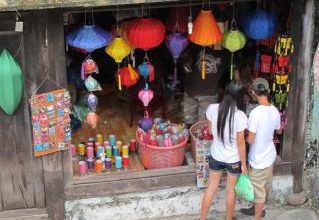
[[197, 126], [154, 157]]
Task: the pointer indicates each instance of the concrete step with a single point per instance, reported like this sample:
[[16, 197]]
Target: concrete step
[[273, 213], [24, 214], [160, 204]]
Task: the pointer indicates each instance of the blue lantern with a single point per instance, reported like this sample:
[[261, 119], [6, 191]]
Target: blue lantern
[[259, 24], [89, 38]]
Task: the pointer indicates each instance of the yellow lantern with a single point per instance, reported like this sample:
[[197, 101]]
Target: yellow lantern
[[118, 49]]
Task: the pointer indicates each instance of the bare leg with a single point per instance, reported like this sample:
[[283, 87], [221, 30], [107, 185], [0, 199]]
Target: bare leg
[[212, 186], [258, 210], [230, 195]]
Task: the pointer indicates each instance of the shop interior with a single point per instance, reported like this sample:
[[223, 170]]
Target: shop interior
[[115, 107]]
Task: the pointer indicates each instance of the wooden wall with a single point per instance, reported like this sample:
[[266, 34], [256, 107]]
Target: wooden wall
[[26, 181]]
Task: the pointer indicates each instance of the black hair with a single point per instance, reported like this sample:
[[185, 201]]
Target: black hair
[[233, 100]]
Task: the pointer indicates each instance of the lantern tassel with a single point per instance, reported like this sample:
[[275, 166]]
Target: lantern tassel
[[203, 70], [175, 73], [119, 82], [232, 67]]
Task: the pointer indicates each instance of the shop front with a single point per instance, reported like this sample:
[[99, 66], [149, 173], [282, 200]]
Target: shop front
[[128, 84]]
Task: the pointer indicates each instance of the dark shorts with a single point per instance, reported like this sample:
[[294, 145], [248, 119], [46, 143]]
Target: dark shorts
[[233, 168]]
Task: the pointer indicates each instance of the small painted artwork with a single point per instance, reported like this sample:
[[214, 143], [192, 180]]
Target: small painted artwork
[[202, 166], [51, 122]]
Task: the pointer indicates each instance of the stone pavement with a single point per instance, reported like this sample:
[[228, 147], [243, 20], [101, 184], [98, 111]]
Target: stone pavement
[[272, 213]]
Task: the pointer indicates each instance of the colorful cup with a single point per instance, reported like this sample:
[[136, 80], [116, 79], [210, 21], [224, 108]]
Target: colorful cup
[[106, 143], [133, 145], [116, 151], [90, 164], [126, 160], [108, 151], [124, 150], [112, 140], [99, 138], [81, 149], [108, 163], [82, 167], [118, 162], [98, 166], [119, 146], [99, 151], [90, 152]]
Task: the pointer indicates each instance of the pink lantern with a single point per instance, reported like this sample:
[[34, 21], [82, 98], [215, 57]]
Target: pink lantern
[[146, 95]]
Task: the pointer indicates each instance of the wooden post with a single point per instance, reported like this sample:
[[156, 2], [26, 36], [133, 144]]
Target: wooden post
[[294, 143]]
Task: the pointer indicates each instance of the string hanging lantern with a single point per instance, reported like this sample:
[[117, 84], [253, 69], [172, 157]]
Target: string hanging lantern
[[92, 101], [89, 37], [176, 44], [146, 33], [233, 41], [92, 119], [206, 32], [88, 67], [259, 24], [177, 20], [129, 76]]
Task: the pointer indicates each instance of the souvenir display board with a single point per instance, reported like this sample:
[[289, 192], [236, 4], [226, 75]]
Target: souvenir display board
[[202, 159], [51, 122]]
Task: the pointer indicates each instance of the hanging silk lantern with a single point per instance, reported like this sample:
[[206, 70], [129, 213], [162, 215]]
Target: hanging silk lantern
[[146, 33], [89, 66], [145, 123], [11, 83], [146, 70], [177, 20], [118, 49], [259, 24], [145, 95], [129, 76], [233, 41], [92, 119], [92, 101], [176, 43], [89, 38], [206, 31], [92, 85]]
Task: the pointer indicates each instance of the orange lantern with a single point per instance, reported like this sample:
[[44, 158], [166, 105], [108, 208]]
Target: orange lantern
[[206, 32], [129, 76]]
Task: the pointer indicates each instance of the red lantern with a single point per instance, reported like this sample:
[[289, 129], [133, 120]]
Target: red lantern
[[146, 33], [129, 76], [89, 66]]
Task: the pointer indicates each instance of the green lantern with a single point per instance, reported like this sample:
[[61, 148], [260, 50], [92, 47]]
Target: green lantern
[[11, 83], [233, 41]]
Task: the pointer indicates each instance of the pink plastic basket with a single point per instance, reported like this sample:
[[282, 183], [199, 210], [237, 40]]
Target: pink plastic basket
[[154, 157]]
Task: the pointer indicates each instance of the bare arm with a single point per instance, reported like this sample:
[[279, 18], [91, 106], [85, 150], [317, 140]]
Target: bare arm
[[251, 137], [242, 150], [210, 130]]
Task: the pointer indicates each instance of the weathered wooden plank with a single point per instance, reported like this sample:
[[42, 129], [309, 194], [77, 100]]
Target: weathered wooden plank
[[52, 53], [129, 185], [20, 213], [133, 175], [16, 182]]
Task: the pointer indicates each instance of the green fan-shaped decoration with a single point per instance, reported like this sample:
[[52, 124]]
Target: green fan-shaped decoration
[[11, 83]]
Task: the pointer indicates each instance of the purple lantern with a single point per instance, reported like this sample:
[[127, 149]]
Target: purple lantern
[[92, 101], [146, 123], [176, 43]]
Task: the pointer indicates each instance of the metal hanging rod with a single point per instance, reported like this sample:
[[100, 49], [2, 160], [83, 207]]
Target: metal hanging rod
[[154, 5]]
